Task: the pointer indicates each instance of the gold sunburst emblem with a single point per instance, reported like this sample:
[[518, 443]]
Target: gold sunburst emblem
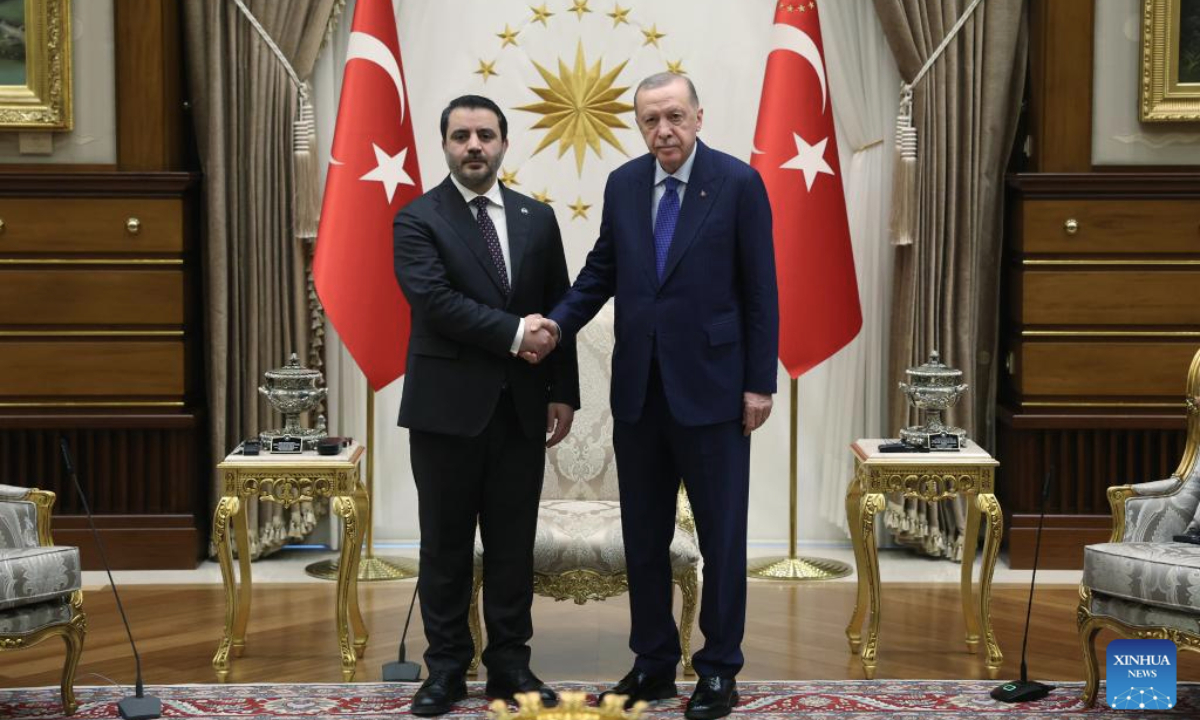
[[580, 107]]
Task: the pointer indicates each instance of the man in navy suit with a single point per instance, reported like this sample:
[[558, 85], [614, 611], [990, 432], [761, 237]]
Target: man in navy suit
[[685, 248]]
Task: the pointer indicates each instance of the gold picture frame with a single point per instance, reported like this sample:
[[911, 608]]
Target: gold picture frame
[[35, 65], [1170, 77]]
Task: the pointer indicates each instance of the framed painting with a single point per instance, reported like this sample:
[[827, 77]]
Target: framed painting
[[35, 65], [1170, 75]]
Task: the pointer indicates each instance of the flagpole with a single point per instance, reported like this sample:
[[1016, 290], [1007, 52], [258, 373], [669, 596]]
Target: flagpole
[[370, 568], [792, 567]]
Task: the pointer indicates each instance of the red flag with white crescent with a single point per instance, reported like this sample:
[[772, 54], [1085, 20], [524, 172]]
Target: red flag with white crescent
[[795, 151], [372, 174]]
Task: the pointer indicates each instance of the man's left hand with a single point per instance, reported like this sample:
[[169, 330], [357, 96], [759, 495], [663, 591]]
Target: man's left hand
[[559, 417], [756, 408]]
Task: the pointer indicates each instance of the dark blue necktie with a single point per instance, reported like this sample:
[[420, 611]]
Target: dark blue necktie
[[664, 226], [488, 229]]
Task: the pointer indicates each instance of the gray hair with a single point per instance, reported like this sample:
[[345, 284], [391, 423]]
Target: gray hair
[[661, 79]]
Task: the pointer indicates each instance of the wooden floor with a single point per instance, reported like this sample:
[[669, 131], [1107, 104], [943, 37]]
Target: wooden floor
[[793, 632]]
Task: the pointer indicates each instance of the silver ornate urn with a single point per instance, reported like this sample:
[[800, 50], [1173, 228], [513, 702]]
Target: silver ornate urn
[[293, 390], [933, 388]]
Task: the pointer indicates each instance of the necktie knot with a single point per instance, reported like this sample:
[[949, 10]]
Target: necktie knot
[[671, 183], [480, 202]]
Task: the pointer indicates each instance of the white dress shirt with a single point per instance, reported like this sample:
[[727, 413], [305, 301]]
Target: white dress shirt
[[495, 210], [683, 174]]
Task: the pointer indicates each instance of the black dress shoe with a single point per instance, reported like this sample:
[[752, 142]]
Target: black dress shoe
[[504, 684], [437, 695], [638, 685], [714, 698]]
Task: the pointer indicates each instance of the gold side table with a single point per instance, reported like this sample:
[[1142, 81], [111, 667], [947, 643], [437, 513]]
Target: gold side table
[[970, 472], [289, 479]]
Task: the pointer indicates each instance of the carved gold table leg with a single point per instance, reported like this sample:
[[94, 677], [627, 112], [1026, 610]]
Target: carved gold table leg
[[226, 507], [356, 619], [854, 520], [245, 581], [345, 507], [872, 504], [967, 590], [990, 507]]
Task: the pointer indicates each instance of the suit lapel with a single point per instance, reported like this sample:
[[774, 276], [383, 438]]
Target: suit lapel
[[643, 192], [516, 217], [702, 188], [454, 211]]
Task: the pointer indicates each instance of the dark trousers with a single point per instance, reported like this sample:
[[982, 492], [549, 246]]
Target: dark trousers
[[494, 479], [713, 461]]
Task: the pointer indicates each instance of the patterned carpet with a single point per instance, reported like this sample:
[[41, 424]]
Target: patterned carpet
[[812, 700]]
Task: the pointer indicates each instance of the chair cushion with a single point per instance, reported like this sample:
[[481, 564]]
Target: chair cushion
[[31, 618], [586, 535], [32, 575], [1166, 575], [1142, 615], [18, 524]]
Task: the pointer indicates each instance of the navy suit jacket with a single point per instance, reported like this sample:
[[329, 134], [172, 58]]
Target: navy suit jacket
[[713, 321]]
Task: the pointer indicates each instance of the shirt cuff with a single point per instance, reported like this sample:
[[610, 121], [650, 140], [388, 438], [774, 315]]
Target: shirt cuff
[[515, 348]]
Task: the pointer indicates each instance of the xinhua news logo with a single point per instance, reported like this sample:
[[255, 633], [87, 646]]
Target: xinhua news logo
[[1141, 675]]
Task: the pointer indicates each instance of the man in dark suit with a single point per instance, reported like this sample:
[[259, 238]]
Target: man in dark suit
[[473, 258], [685, 248]]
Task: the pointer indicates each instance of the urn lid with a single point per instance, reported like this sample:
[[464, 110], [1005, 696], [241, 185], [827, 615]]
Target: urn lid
[[293, 375], [933, 373]]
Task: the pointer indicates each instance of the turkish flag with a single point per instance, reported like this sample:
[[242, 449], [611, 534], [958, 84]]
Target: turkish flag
[[795, 151], [372, 174]]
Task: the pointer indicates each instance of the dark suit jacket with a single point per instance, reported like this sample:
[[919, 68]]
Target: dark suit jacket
[[713, 322], [462, 324]]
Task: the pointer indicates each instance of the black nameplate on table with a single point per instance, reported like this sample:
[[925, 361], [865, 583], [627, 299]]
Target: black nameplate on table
[[287, 444], [943, 442]]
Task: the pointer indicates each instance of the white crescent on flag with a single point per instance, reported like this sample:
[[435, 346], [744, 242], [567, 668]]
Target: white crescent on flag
[[368, 47], [792, 38]]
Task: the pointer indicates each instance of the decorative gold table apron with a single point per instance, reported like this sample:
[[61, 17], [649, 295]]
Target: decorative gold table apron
[[970, 472], [289, 479]]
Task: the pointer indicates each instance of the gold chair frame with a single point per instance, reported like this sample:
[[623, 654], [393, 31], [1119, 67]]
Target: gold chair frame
[[1090, 625], [74, 630], [583, 585]]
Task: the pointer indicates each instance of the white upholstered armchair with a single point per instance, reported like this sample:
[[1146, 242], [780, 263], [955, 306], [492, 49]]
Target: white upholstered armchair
[[578, 553], [40, 594]]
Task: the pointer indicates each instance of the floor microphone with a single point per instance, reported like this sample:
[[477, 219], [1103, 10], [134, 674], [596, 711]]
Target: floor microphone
[[1026, 690], [403, 670], [140, 706]]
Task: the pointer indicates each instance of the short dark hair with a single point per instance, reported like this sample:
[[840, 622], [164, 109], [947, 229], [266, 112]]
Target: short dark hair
[[474, 102], [661, 79]]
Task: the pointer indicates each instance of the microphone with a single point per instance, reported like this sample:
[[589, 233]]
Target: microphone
[[1026, 690], [141, 706], [402, 670]]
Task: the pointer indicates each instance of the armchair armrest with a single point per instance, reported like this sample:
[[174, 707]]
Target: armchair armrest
[[1152, 511], [28, 511]]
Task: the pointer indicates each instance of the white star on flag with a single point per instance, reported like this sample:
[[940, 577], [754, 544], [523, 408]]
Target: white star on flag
[[810, 159], [389, 171]]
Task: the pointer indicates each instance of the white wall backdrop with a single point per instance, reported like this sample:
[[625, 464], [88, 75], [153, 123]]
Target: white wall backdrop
[[723, 47]]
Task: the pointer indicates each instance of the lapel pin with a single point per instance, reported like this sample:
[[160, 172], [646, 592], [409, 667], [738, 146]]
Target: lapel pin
[[703, 193], [524, 211]]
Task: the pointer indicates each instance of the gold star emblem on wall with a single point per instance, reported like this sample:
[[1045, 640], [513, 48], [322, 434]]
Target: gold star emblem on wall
[[652, 36], [579, 8], [618, 15], [540, 14], [486, 69], [579, 209], [509, 36], [543, 196], [676, 67], [509, 178], [579, 108]]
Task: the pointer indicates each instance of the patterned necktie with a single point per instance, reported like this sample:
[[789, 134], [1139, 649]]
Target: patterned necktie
[[664, 226], [488, 230]]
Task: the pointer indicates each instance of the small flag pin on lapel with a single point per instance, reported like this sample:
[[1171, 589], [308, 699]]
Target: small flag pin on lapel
[[524, 211], [703, 193]]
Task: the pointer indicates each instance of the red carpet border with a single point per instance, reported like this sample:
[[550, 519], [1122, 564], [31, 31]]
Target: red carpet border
[[812, 700]]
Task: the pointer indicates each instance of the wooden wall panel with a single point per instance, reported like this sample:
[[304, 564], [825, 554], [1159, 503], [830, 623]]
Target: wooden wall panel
[[1105, 298], [150, 114], [1061, 51], [1124, 227], [81, 296], [1104, 369], [74, 225], [80, 369]]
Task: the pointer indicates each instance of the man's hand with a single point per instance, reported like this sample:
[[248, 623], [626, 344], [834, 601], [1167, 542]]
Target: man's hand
[[756, 408], [559, 417], [540, 339]]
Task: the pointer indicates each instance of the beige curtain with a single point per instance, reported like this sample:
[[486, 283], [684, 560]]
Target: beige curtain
[[946, 292], [257, 294]]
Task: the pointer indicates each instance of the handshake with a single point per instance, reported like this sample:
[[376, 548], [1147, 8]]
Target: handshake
[[540, 339]]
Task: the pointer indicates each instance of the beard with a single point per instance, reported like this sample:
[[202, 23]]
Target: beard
[[477, 177]]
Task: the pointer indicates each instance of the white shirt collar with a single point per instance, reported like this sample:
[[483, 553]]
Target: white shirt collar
[[493, 194], [682, 174]]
